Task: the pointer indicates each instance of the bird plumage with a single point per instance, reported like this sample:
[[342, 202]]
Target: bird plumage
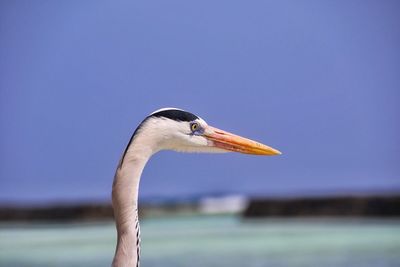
[[164, 129]]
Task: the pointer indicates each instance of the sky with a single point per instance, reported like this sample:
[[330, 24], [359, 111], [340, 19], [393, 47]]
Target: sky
[[318, 80]]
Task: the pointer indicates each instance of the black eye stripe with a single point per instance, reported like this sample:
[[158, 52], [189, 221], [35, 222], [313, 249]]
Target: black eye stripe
[[177, 115]]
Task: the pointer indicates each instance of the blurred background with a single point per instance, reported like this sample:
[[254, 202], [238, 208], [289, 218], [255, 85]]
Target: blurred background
[[318, 80]]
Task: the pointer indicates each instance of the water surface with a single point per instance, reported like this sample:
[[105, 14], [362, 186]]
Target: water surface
[[195, 241]]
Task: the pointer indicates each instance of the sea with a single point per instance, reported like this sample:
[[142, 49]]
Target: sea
[[201, 241]]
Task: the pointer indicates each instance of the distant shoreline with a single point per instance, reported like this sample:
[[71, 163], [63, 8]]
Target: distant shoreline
[[343, 206], [339, 206]]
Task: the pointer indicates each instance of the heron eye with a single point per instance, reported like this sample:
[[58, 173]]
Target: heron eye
[[194, 126]]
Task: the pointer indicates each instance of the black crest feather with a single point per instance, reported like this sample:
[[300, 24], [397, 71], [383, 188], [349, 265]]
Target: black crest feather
[[175, 114]]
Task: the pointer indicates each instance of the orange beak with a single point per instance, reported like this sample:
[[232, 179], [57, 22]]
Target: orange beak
[[232, 142]]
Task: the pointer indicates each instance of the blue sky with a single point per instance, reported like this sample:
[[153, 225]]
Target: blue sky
[[319, 80]]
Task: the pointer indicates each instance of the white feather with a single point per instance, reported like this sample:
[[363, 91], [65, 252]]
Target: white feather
[[160, 133]]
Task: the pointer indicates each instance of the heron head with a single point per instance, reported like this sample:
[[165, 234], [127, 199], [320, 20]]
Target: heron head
[[179, 130]]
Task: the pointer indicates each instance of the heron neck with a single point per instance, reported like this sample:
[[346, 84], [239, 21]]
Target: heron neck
[[125, 204]]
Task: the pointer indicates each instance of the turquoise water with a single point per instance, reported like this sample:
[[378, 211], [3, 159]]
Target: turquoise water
[[210, 241]]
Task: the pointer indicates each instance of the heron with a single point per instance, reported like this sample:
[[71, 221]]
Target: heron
[[164, 129]]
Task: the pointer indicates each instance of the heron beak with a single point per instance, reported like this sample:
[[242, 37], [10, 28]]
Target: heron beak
[[231, 142]]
